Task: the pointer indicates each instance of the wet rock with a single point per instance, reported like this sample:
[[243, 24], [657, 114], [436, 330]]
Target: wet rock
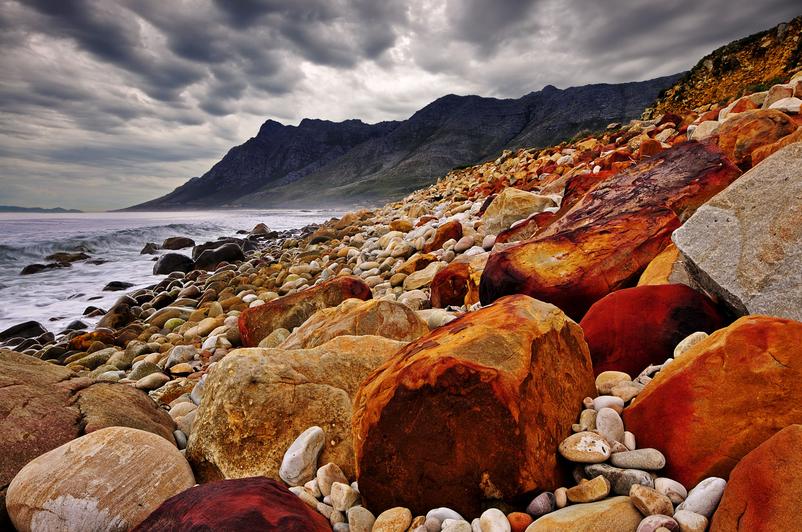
[[210, 258], [115, 286], [177, 242], [150, 249], [28, 329], [172, 262], [120, 314]]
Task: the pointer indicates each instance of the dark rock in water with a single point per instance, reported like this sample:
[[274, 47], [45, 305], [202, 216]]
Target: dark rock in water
[[260, 229], [76, 325], [172, 262], [93, 312], [28, 329], [178, 242], [114, 286], [149, 249], [255, 503], [210, 258], [66, 256], [245, 245], [119, 315], [37, 268], [97, 262]]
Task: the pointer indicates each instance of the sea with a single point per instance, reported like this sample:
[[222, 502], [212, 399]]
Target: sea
[[57, 297]]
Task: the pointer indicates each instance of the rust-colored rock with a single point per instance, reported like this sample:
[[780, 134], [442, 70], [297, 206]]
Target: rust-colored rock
[[416, 262], [458, 283], [608, 237], [512, 205], [635, 327], [355, 317], [663, 268], [745, 132], [725, 396], [649, 147], [444, 233], [474, 410], [292, 310], [764, 492], [764, 151]]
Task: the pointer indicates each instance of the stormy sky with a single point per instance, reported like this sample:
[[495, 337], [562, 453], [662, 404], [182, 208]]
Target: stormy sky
[[107, 103]]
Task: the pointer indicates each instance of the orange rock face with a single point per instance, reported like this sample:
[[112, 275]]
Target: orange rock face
[[634, 327], [764, 151], [742, 134], [445, 232], [660, 269], [606, 239], [722, 398], [458, 283], [765, 489], [292, 310], [474, 410]]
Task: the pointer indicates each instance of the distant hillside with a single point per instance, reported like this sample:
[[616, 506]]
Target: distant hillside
[[747, 65], [325, 163], [11, 208]]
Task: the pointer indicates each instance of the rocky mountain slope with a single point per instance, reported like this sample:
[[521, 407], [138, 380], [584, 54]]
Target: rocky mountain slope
[[351, 161]]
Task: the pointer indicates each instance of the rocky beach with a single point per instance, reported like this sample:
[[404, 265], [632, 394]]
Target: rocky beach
[[601, 335]]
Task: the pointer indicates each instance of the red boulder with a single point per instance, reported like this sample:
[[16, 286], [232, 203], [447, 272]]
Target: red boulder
[[444, 233], [743, 133]]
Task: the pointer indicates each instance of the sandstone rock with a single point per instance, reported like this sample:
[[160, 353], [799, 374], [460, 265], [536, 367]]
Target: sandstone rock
[[111, 479], [447, 231], [745, 244], [458, 283], [764, 489], [291, 311], [465, 392], [611, 233], [764, 151], [740, 135], [511, 205], [665, 268], [585, 448], [355, 317], [694, 410], [616, 514], [690, 521], [257, 401], [632, 328], [649, 501], [590, 491], [393, 520], [243, 504]]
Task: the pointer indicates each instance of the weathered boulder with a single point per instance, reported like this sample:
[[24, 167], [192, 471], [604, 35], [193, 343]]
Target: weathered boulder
[[257, 401], [111, 479], [292, 310], [444, 233], [120, 314], [177, 242], [764, 151], [665, 268], [210, 258], [616, 514], [255, 503], [474, 410], [355, 317], [632, 328], [172, 262], [765, 489], [605, 240], [28, 329], [743, 133], [722, 398], [511, 205], [458, 283], [745, 244]]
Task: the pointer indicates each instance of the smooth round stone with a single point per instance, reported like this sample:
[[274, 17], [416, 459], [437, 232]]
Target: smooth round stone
[[591, 491], [432, 524], [606, 380], [328, 475], [300, 460], [585, 448], [314, 488], [608, 401], [343, 496], [463, 244], [443, 513], [688, 342], [704, 498], [152, 381], [621, 480], [455, 525], [519, 521], [180, 439], [341, 527], [305, 495], [653, 523], [560, 497], [627, 390], [690, 521], [587, 420], [360, 519], [395, 519], [325, 509], [336, 517], [649, 501], [610, 425], [671, 489], [494, 520], [648, 459], [629, 441], [488, 242], [541, 505]]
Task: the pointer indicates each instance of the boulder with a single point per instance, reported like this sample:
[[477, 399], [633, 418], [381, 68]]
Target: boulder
[[765, 488], [458, 283], [28, 329], [255, 503], [292, 310], [355, 317], [120, 314], [743, 133], [210, 258], [745, 244], [665, 268], [444, 233], [424, 277], [616, 514], [257, 401], [475, 410], [177, 242], [632, 328], [764, 151], [605, 240], [111, 479], [722, 398], [511, 205], [172, 262]]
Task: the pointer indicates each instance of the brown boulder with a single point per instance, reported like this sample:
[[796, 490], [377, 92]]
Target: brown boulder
[[257, 401], [292, 310], [458, 283], [512, 205], [354, 317], [722, 398], [447, 231], [764, 151], [473, 411], [765, 488], [744, 132], [608, 237], [416, 262], [665, 268]]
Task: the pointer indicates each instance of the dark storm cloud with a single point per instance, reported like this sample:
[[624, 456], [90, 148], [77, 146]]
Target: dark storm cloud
[[140, 94]]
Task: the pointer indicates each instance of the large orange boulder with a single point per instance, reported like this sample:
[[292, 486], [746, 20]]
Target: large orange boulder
[[473, 411], [764, 151], [444, 233], [635, 327], [607, 238], [722, 398], [745, 132], [458, 283], [764, 493], [292, 310]]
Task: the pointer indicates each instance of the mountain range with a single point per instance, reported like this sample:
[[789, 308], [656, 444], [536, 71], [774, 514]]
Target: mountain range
[[323, 163]]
